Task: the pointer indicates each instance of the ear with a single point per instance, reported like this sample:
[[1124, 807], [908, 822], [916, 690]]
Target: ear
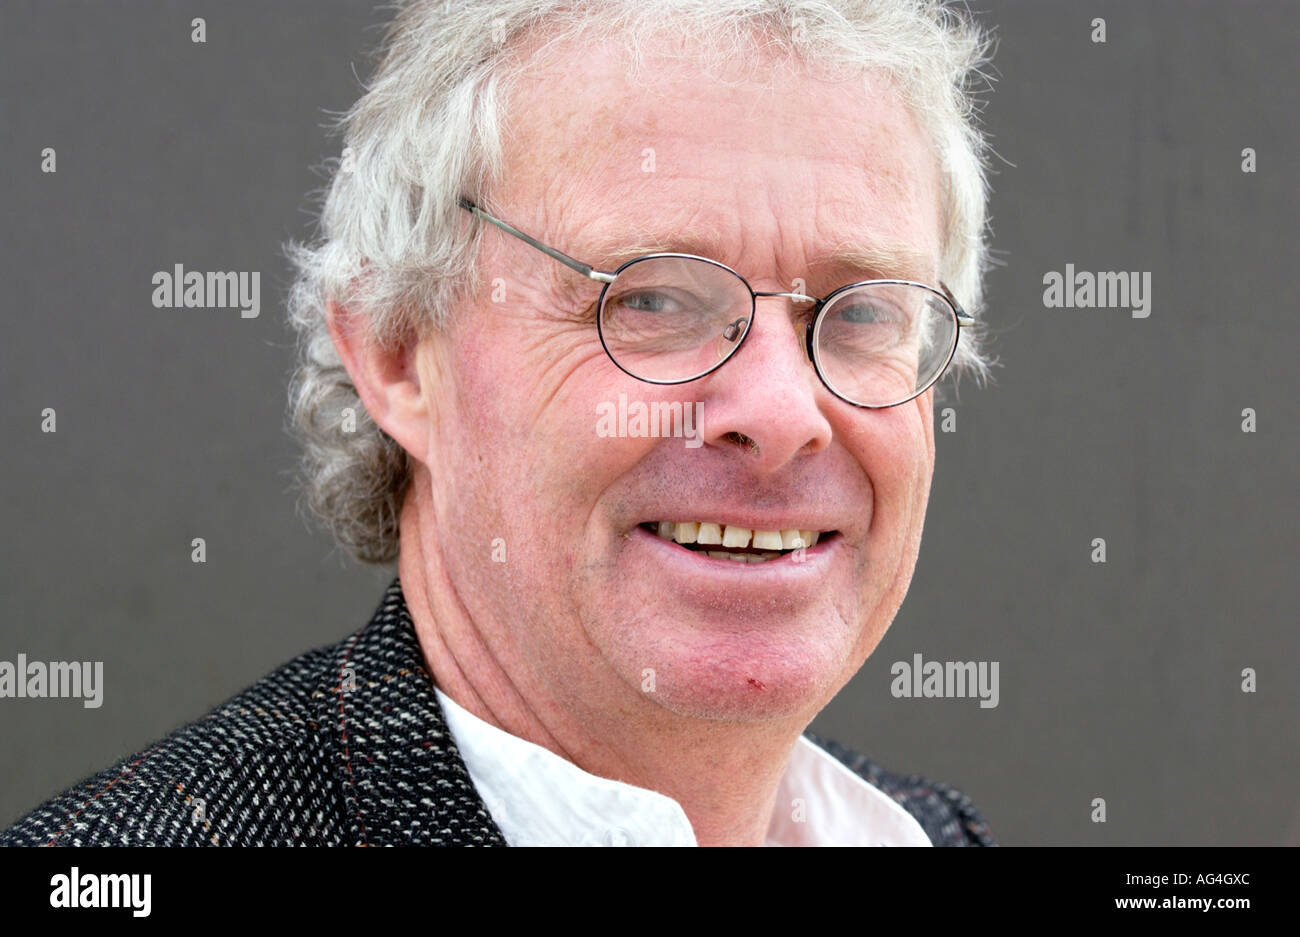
[[387, 380]]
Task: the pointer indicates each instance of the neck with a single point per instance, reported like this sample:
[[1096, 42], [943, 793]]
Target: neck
[[725, 775]]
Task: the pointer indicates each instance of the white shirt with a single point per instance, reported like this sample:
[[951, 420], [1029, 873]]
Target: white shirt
[[538, 798]]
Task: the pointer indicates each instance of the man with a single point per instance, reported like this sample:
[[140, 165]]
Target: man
[[631, 569]]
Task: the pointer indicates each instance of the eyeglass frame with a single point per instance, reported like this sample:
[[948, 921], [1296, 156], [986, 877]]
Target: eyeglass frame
[[820, 304]]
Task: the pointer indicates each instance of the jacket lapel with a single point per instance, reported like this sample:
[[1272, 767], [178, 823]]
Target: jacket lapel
[[403, 780]]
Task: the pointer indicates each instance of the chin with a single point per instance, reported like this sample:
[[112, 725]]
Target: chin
[[741, 675]]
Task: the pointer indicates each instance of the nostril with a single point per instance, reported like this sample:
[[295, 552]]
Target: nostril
[[741, 439]]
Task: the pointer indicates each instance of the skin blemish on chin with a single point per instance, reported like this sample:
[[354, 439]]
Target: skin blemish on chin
[[757, 684]]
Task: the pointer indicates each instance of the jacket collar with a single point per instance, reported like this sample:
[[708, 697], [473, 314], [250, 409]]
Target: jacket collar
[[403, 780]]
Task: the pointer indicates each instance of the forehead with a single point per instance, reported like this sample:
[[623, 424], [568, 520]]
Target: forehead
[[758, 163]]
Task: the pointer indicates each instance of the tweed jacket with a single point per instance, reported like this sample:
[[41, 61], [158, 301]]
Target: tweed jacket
[[345, 745]]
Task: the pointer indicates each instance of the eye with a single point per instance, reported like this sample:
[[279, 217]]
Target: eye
[[866, 312], [645, 301]]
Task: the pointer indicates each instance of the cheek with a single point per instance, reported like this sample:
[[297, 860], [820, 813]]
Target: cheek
[[895, 450], [527, 408]]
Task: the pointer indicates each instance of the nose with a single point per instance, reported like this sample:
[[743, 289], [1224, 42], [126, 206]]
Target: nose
[[767, 399]]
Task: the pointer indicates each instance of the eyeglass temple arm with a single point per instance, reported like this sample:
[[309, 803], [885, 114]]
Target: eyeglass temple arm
[[585, 269], [963, 319]]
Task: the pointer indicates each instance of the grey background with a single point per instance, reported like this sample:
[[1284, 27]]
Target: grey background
[[1119, 681]]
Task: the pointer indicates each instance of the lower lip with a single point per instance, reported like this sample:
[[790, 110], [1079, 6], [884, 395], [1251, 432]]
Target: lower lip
[[780, 573]]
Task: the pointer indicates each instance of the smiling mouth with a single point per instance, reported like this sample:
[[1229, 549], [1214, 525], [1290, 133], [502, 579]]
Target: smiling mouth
[[741, 544]]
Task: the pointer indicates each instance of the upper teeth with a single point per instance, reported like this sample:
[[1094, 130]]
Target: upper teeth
[[729, 535]]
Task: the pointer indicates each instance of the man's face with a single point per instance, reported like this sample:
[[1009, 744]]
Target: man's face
[[588, 608]]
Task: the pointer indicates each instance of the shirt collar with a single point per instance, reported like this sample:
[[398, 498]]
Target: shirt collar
[[538, 798]]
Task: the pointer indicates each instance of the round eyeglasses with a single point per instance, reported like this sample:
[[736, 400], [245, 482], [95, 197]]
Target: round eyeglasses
[[674, 318]]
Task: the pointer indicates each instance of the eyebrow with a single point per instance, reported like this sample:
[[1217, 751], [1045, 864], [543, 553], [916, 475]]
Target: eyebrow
[[875, 260]]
